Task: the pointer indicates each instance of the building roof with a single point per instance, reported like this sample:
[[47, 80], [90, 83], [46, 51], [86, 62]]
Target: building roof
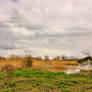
[[84, 59]]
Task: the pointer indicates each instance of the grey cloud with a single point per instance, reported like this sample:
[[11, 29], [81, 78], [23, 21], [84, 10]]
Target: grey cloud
[[6, 38], [47, 26]]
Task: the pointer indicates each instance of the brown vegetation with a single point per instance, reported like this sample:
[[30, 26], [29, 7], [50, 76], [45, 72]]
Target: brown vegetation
[[16, 62]]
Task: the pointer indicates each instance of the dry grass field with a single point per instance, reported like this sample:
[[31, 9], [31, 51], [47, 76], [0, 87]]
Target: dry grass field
[[24, 62]]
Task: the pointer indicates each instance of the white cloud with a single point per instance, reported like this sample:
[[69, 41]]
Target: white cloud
[[6, 8], [48, 25]]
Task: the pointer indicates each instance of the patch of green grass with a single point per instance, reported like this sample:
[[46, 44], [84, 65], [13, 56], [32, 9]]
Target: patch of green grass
[[44, 81], [9, 89], [36, 73], [66, 90], [75, 81], [61, 84], [2, 76], [22, 73]]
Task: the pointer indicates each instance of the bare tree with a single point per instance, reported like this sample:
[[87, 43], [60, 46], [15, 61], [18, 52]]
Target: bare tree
[[56, 58], [28, 60], [46, 58], [39, 58], [27, 52], [64, 57]]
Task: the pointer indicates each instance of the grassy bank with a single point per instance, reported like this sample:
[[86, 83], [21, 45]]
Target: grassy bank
[[43, 81]]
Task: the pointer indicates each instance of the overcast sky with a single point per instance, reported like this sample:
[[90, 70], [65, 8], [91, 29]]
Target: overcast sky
[[45, 27]]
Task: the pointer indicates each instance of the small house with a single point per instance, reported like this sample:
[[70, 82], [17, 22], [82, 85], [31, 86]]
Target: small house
[[86, 65]]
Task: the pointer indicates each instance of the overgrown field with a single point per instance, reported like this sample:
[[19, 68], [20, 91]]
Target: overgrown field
[[27, 80], [57, 65]]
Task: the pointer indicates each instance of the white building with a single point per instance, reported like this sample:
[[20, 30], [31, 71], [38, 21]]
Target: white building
[[86, 67]]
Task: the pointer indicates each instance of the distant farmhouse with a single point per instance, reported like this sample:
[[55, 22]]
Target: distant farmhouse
[[85, 65]]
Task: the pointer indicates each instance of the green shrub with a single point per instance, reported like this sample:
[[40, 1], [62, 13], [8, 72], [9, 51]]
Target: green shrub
[[36, 83], [65, 90], [10, 83], [74, 81], [2, 76], [61, 84], [7, 90]]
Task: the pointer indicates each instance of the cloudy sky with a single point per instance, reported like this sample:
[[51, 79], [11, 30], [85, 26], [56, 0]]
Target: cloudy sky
[[45, 27]]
